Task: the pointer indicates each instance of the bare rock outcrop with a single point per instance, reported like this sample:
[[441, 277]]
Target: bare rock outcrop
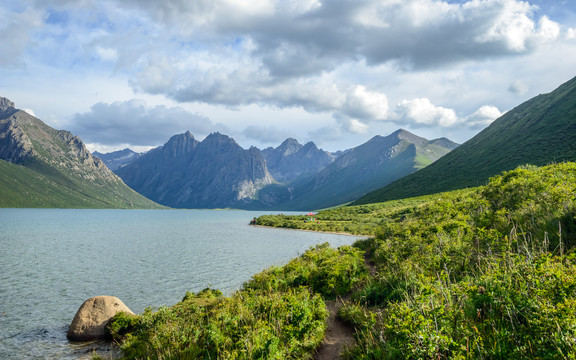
[[93, 316]]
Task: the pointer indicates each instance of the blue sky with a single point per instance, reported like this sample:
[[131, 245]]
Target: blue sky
[[132, 73]]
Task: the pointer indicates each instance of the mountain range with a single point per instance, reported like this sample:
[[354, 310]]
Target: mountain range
[[187, 173], [44, 167], [218, 173], [540, 131]]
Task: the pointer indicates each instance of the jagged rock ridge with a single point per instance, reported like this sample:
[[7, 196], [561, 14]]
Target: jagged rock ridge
[[292, 159], [186, 173]]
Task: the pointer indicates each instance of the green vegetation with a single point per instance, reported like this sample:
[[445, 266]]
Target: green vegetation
[[479, 273], [53, 169], [483, 273], [279, 314], [539, 131], [29, 187], [357, 220]]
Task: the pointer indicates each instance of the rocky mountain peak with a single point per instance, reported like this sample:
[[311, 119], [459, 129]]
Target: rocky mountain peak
[[181, 144], [289, 146], [219, 141], [6, 104], [7, 107]]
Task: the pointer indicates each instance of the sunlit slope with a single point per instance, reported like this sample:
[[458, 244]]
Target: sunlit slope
[[44, 167], [539, 131]]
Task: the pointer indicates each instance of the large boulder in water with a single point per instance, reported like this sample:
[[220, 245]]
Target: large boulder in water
[[93, 316]]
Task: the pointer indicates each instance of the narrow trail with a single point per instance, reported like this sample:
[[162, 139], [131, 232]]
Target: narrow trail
[[338, 334]]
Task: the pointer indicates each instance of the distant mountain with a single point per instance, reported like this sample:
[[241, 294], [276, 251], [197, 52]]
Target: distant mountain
[[117, 159], [367, 167], [44, 167], [291, 160], [186, 173], [538, 132]]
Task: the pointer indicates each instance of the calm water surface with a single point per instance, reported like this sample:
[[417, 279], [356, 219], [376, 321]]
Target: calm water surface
[[52, 260]]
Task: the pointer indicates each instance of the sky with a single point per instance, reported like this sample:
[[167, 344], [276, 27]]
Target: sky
[[132, 73]]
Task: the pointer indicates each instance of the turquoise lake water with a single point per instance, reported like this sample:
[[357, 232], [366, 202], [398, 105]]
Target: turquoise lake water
[[52, 260]]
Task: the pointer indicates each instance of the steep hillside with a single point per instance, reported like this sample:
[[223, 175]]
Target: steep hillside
[[185, 173], [365, 168], [538, 132], [44, 167]]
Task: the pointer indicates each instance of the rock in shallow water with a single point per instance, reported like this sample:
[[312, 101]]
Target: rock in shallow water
[[93, 316]]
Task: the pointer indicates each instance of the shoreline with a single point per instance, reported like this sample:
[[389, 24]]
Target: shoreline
[[315, 231]]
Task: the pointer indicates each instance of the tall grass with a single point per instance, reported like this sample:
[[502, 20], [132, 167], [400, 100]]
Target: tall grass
[[483, 273], [488, 274], [279, 314]]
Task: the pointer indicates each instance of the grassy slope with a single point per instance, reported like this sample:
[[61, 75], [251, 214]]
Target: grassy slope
[[538, 132], [61, 173], [24, 187], [488, 272]]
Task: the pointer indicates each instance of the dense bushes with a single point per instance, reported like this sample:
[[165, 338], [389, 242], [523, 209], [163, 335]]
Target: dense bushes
[[484, 273], [247, 325], [325, 270], [276, 316]]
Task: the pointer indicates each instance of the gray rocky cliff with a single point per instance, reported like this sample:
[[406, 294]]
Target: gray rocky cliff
[[24, 138], [291, 160], [185, 173]]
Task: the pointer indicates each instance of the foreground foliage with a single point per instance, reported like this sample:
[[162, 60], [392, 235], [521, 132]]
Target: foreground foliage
[[483, 273], [276, 316]]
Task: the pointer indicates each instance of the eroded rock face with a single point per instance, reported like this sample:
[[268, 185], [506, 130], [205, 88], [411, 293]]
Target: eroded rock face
[[93, 316]]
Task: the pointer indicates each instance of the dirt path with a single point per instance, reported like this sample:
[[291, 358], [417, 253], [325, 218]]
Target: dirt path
[[338, 334]]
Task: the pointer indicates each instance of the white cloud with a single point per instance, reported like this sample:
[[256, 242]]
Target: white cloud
[[365, 104], [341, 61], [30, 112], [423, 113], [482, 117]]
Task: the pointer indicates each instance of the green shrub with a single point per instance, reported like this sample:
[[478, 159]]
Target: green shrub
[[248, 325], [325, 270]]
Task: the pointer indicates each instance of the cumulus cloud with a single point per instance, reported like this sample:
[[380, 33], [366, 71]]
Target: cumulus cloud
[[344, 60], [482, 117], [421, 112], [134, 122], [283, 54], [29, 112]]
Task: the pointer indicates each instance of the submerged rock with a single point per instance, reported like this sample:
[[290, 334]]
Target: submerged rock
[[93, 316]]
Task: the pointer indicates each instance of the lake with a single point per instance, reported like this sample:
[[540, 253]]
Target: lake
[[52, 260]]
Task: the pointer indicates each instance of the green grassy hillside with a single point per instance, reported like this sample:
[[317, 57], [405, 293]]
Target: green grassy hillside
[[23, 187], [539, 132], [47, 168], [484, 273]]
